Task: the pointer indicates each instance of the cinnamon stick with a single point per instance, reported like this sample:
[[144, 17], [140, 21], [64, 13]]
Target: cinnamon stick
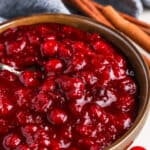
[[143, 25], [90, 5], [127, 17], [131, 30], [84, 7]]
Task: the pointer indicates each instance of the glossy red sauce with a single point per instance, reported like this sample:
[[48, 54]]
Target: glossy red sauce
[[80, 96]]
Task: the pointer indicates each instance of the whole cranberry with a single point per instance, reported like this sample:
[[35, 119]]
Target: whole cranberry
[[23, 97], [28, 131], [29, 78], [6, 107], [54, 65], [74, 87], [57, 116], [64, 52], [77, 63], [49, 48], [104, 48], [11, 141], [49, 85], [42, 29], [137, 148], [81, 47], [33, 38], [15, 47], [2, 50], [41, 103]]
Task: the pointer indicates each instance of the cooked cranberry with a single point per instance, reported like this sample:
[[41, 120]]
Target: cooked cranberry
[[29, 130], [3, 126], [73, 87], [11, 141], [137, 148], [24, 97], [49, 85], [125, 103], [81, 47], [6, 107], [41, 103], [2, 50], [29, 79], [57, 116], [33, 38], [54, 65], [102, 47], [49, 48], [64, 52], [16, 47], [80, 95], [77, 63]]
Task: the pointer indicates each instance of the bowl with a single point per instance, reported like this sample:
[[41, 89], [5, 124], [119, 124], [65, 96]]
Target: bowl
[[121, 42]]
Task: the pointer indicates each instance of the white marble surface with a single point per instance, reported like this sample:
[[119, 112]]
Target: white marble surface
[[144, 137]]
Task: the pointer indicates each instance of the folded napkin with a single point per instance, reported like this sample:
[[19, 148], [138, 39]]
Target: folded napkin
[[146, 3], [131, 7], [15, 8]]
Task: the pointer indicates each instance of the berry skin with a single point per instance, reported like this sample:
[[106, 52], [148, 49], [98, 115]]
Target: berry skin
[[49, 48], [73, 87], [125, 103], [57, 116], [41, 103], [29, 79], [6, 107], [54, 65], [16, 47], [11, 141], [2, 50], [33, 38], [137, 148]]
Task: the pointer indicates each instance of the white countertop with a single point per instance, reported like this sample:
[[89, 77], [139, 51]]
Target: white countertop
[[144, 137]]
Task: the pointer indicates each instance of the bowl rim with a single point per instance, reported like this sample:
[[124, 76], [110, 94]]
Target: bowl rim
[[141, 117]]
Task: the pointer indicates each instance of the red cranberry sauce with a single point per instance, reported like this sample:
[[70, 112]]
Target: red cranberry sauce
[[80, 96]]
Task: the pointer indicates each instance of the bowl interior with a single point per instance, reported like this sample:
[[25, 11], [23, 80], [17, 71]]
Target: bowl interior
[[134, 58]]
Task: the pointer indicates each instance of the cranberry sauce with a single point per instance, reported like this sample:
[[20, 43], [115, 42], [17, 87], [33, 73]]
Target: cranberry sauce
[[81, 94]]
